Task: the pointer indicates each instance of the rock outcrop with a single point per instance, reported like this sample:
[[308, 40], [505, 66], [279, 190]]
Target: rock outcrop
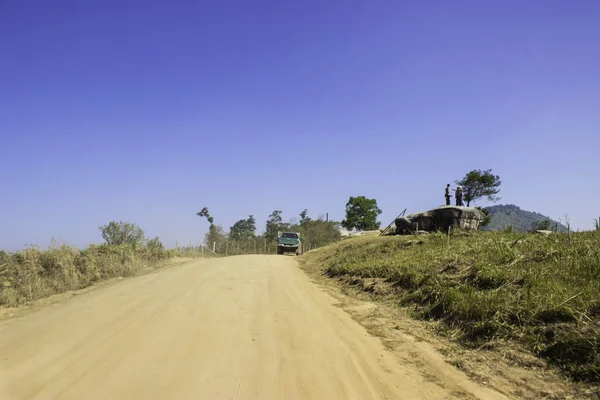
[[440, 219]]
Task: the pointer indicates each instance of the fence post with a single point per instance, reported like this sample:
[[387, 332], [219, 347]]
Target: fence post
[[214, 246]]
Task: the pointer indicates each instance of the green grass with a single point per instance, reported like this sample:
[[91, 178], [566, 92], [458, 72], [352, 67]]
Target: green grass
[[540, 291], [31, 274]]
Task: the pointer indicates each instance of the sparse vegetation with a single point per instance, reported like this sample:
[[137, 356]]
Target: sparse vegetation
[[539, 291], [33, 273]]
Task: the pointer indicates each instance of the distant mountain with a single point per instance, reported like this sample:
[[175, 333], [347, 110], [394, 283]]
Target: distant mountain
[[503, 216]]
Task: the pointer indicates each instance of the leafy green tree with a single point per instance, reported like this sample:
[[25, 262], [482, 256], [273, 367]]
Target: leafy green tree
[[304, 218], [274, 225], [204, 213], [477, 184], [361, 214], [117, 233], [216, 235], [243, 229]]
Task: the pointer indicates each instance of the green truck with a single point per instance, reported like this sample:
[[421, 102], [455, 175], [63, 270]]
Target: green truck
[[288, 242]]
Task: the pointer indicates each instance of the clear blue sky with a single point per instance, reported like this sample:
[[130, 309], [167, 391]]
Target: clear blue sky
[[148, 111]]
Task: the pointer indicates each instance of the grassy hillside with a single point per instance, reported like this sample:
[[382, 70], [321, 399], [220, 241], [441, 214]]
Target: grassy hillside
[[503, 216], [539, 291], [31, 274]]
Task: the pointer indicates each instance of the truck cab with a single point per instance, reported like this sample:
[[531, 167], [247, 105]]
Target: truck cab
[[288, 242]]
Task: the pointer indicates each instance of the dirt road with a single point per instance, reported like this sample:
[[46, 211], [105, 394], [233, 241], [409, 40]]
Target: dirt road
[[251, 327]]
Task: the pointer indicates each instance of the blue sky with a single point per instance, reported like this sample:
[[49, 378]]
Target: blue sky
[[148, 111]]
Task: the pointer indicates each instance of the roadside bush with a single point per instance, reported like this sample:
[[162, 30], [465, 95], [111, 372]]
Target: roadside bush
[[31, 273]]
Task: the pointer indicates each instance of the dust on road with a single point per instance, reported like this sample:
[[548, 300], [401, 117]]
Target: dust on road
[[248, 327]]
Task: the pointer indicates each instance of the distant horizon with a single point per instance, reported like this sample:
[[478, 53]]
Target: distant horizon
[[124, 111], [260, 229]]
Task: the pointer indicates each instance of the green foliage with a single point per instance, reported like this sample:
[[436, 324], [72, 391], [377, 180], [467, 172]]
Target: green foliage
[[156, 248], [304, 216], [243, 229], [597, 224], [540, 291], [204, 213], [502, 216], [274, 224], [361, 214], [541, 225], [216, 236], [119, 233], [487, 219], [316, 232], [31, 274], [477, 184]]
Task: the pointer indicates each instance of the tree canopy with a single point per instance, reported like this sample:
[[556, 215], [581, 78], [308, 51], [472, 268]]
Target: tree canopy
[[117, 233], [274, 225], [361, 214], [477, 184], [243, 229]]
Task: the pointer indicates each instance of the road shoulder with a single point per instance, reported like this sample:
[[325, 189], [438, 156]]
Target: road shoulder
[[500, 367]]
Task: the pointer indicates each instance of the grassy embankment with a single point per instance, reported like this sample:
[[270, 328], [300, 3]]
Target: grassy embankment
[[541, 292], [31, 274]]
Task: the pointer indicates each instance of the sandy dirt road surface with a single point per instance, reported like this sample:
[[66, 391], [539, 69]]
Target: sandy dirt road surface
[[249, 327]]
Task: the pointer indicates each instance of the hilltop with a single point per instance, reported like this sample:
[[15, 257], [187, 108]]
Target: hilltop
[[503, 216]]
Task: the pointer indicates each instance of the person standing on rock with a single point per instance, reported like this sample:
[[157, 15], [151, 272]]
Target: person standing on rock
[[459, 195], [447, 194]]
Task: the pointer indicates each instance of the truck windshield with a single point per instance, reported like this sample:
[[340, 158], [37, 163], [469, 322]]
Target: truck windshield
[[290, 235]]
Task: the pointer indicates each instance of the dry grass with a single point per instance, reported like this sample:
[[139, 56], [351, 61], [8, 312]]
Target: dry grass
[[542, 292], [31, 274]]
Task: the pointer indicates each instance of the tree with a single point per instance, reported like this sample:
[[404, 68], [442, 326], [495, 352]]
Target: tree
[[316, 232], [216, 235], [117, 233], [204, 213], [304, 218], [477, 184], [361, 214], [243, 229], [274, 225]]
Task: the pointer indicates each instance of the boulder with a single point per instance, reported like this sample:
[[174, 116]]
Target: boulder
[[440, 218], [404, 226]]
